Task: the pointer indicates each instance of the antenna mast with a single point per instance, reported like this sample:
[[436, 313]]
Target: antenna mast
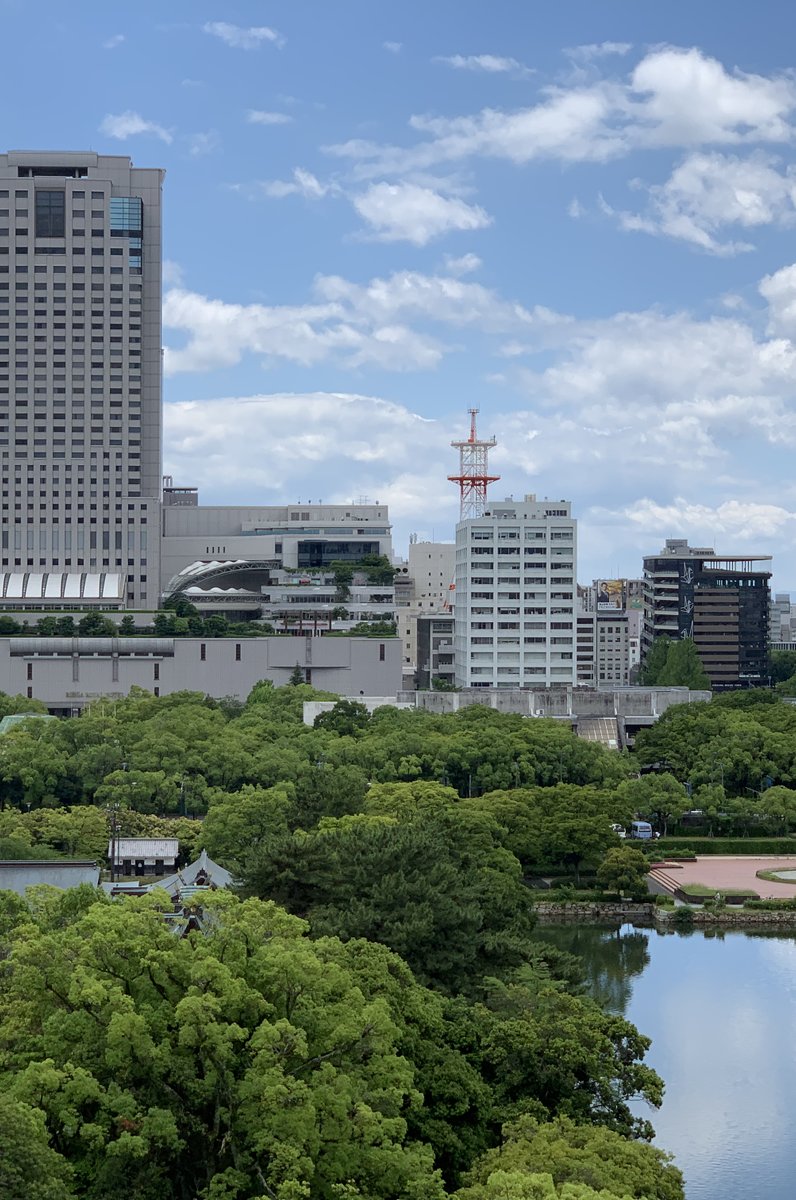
[[473, 478]]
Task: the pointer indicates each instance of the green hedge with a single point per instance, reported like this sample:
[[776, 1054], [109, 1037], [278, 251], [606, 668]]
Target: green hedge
[[783, 902], [720, 845]]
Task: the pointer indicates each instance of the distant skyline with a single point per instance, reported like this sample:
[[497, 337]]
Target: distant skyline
[[578, 218]]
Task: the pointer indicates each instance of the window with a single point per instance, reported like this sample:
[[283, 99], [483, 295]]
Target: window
[[237, 652], [381, 651], [50, 208], [202, 651]]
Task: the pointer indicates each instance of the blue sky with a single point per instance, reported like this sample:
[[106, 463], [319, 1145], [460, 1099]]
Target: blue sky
[[577, 217]]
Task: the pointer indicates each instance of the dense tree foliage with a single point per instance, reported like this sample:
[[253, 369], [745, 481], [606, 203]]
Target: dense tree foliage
[[729, 753], [580, 1162], [375, 1020], [247, 1060], [624, 870], [674, 662]]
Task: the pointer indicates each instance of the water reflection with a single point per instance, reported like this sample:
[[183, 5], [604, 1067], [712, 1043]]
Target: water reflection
[[612, 958], [721, 1012]]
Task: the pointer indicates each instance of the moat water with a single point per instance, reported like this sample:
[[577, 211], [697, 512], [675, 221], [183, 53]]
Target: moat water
[[721, 1012]]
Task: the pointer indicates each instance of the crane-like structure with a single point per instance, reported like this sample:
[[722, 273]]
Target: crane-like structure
[[473, 478]]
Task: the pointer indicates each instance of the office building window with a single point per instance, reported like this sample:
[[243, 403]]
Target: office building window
[[50, 211]]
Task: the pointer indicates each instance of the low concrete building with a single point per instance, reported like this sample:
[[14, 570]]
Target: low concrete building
[[626, 709], [16, 875], [66, 674]]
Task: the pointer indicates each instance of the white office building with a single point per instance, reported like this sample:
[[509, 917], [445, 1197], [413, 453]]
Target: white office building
[[515, 605], [80, 374]]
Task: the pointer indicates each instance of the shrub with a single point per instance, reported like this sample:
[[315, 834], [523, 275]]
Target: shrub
[[668, 847], [683, 918], [778, 904]]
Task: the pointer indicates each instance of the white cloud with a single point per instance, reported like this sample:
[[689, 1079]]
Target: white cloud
[[407, 212], [219, 334], [243, 39], [257, 117], [393, 47], [465, 264], [412, 296], [112, 42], [647, 399], [303, 183], [740, 520], [595, 50], [128, 124], [353, 323], [779, 291], [707, 193], [200, 144], [491, 64], [376, 447], [672, 97]]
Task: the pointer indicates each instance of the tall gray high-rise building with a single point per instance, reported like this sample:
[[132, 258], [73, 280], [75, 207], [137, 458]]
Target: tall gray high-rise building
[[80, 377]]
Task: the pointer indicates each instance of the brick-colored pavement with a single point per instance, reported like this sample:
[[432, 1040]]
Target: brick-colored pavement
[[735, 871]]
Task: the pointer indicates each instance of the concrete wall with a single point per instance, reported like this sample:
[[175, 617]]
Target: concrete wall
[[68, 673], [562, 702], [314, 708], [17, 876]]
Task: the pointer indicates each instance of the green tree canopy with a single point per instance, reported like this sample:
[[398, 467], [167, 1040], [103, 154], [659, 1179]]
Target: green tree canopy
[[240, 1062], [29, 1167], [674, 662], [574, 1155], [624, 869]]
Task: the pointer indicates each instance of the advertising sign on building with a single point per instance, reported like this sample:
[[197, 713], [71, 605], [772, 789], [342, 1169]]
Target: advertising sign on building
[[610, 595]]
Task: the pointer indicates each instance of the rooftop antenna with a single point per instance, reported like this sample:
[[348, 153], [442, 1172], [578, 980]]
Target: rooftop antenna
[[473, 478]]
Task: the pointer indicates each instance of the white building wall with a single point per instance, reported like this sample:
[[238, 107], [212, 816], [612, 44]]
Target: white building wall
[[515, 593]]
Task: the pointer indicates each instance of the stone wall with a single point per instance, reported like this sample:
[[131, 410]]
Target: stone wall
[[561, 911]]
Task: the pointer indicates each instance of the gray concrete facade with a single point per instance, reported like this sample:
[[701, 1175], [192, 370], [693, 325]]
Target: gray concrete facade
[[80, 367], [291, 536], [16, 875], [69, 673]]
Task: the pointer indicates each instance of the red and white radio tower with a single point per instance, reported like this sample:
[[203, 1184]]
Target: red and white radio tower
[[473, 478]]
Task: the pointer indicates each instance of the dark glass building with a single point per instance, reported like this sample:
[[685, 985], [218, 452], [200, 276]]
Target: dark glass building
[[720, 601]]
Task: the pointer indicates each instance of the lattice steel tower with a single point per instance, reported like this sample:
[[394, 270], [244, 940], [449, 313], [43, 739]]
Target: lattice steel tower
[[473, 478]]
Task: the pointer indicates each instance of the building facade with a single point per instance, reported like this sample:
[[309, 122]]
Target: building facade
[[782, 622], [67, 674], [515, 608], [435, 660], [210, 550], [80, 370], [426, 586], [610, 621], [720, 601]]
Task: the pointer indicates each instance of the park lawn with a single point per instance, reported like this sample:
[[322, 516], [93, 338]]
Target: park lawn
[[703, 889]]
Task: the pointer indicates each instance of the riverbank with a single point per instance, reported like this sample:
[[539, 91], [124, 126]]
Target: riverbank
[[595, 913]]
